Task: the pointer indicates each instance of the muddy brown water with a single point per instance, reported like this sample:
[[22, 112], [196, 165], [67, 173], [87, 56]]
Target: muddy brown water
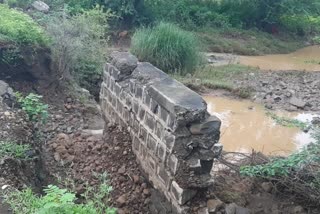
[[307, 59], [245, 126]]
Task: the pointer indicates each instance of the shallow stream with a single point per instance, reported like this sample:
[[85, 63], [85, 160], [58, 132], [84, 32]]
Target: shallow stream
[[246, 127], [307, 59]]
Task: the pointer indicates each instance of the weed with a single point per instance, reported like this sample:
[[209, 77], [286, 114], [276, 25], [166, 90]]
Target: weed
[[32, 105], [57, 200], [288, 122], [18, 27], [218, 78], [167, 47], [14, 150]]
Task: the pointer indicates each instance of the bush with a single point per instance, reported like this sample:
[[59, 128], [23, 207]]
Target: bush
[[14, 150], [17, 27], [79, 45], [56, 201], [167, 47], [189, 13], [32, 105]]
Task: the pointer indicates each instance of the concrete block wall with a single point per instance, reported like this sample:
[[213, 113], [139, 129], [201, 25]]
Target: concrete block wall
[[173, 136]]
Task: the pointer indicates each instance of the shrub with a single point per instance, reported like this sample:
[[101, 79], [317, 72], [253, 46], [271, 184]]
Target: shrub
[[79, 45], [32, 105], [167, 47], [17, 27], [13, 150], [54, 201]]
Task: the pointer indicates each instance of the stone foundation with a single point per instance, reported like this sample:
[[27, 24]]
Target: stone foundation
[[173, 136]]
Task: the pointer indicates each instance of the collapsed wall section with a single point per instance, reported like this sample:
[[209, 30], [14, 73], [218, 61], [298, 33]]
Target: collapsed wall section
[[174, 138]]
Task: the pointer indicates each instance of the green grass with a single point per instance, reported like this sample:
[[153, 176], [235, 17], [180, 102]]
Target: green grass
[[18, 27], [168, 47], [248, 42], [62, 201], [14, 150], [218, 78]]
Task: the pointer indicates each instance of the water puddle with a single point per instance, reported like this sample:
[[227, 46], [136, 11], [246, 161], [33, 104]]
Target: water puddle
[[304, 59], [245, 126]]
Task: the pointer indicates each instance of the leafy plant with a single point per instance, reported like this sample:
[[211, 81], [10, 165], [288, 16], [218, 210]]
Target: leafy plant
[[13, 149], [288, 122], [18, 27], [168, 47], [79, 45], [32, 105], [57, 200]]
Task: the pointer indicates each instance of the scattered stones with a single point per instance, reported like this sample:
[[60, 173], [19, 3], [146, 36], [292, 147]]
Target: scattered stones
[[214, 205], [267, 186], [297, 102], [122, 200], [40, 6]]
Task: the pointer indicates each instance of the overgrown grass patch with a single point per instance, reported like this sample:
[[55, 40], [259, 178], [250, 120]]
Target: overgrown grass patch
[[18, 27], [57, 200], [218, 78], [14, 150], [168, 47], [247, 42]]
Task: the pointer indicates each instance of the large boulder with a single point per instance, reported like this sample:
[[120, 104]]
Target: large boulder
[[40, 6]]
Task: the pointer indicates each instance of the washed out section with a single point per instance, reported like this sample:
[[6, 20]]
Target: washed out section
[[173, 136]]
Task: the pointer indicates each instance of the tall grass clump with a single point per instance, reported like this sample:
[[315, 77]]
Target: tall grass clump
[[168, 47]]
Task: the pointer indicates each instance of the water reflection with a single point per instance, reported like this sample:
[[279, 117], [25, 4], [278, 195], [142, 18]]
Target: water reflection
[[245, 126]]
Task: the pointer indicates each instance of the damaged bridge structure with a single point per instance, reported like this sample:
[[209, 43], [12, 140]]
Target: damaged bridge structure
[[174, 138]]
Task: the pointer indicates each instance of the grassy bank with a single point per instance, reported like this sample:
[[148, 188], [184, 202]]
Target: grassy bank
[[218, 78], [248, 42]]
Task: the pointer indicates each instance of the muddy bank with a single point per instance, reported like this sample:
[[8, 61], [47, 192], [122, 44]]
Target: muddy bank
[[287, 90]]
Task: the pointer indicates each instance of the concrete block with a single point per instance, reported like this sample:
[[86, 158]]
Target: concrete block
[[161, 151], [124, 61], [142, 113], [146, 99], [138, 91], [136, 144], [149, 121], [163, 114], [154, 106], [172, 163], [211, 124], [169, 140], [136, 126], [143, 152], [151, 163], [135, 106], [164, 176], [182, 196], [143, 134], [151, 143], [159, 130]]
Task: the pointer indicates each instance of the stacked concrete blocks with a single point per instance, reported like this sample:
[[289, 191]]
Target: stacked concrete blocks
[[173, 136]]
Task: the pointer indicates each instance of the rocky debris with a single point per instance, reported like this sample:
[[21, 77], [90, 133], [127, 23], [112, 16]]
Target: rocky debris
[[40, 6], [297, 102], [214, 205], [290, 90], [86, 154], [267, 186], [235, 209]]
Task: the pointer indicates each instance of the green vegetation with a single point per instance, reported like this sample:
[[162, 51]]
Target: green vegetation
[[17, 27], [167, 47], [300, 172], [79, 45], [218, 78], [288, 122], [247, 42], [32, 105], [57, 200], [14, 150]]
